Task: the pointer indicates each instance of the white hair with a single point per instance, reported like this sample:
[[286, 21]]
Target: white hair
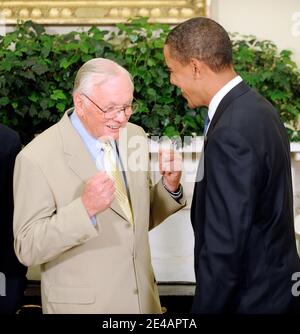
[[96, 72]]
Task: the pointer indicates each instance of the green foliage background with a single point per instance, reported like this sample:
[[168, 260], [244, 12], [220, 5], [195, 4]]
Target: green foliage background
[[37, 72]]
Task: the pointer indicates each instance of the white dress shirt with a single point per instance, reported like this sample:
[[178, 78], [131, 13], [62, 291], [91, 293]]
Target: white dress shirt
[[215, 101]]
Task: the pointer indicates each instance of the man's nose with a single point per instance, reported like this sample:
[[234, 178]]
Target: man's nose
[[121, 117]]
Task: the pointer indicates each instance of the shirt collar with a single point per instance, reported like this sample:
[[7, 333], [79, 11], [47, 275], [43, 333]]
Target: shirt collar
[[93, 145], [215, 101], [90, 142]]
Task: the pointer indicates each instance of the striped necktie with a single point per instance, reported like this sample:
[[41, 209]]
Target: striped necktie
[[113, 171]]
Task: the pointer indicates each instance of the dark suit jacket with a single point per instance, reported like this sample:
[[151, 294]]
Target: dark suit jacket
[[242, 211], [10, 145]]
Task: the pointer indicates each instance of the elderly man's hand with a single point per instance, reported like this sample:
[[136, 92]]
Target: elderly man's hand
[[98, 193], [170, 166]]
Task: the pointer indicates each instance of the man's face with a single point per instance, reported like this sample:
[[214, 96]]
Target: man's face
[[114, 95], [183, 77]]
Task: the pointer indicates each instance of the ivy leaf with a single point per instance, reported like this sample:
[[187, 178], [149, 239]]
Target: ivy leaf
[[58, 95], [170, 132], [15, 105], [64, 63], [45, 51], [61, 106], [190, 121], [151, 92], [143, 49], [84, 47], [5, 66], [4, 101], [32, 111], [38, 28], [27, 75], [40, 69], [33, 97], [133, 38], [151, 62]]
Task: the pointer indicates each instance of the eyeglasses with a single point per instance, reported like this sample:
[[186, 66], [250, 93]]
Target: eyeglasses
[[113, 111]]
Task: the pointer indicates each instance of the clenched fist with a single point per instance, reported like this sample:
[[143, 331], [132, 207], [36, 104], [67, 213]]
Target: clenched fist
[[170, 166], [98, 193]]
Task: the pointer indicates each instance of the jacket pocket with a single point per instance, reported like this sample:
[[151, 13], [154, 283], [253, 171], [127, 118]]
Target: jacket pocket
[[70, 295]]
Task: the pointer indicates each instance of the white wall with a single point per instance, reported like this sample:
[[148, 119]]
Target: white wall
[[172, 242], [276, 20]]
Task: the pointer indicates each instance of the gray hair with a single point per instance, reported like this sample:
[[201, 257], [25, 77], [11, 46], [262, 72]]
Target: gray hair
[[203, 39], [96, 72]]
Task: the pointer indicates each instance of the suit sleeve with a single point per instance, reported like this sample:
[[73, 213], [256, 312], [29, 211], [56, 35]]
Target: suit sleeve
[[15, 149], [42, 232], [163, 205], [8, 262], [231, 169]]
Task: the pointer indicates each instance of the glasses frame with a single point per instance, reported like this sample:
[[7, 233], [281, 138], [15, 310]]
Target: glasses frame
[[133, 106]]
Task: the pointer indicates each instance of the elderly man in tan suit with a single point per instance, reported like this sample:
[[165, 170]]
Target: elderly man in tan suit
[[94, 256]]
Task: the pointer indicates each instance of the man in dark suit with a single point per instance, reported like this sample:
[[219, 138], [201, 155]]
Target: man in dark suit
[[242, 209], [13, 274]]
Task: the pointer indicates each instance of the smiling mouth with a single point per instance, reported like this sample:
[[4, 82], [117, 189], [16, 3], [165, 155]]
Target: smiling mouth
[[113, 127]]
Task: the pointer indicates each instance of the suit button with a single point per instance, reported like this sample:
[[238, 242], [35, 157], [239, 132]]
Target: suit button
[[128, 225], [136, 291]]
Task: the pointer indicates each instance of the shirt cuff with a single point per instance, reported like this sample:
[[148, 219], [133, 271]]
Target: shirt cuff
[[177, 195]]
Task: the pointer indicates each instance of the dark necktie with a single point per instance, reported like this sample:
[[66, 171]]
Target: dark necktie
[[206, 123]]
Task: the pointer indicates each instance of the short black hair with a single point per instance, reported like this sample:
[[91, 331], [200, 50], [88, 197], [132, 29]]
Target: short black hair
[[201, 38]]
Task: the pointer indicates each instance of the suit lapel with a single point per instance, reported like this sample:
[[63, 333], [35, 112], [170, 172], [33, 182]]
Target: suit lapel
[[78, 157], [236, 91]]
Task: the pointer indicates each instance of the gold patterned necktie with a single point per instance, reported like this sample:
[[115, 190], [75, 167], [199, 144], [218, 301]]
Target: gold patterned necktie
[[113, 171]]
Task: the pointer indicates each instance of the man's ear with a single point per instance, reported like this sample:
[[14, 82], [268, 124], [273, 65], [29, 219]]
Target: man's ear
[[198, 67], [78, 104]]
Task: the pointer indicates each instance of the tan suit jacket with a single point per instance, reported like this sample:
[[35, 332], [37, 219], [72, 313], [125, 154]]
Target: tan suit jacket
[[86, 269]]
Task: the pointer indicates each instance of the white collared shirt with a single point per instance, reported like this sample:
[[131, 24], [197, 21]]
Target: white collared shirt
[[215, 101]]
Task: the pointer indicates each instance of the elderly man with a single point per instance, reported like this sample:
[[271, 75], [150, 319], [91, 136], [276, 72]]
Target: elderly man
[[84, 205]]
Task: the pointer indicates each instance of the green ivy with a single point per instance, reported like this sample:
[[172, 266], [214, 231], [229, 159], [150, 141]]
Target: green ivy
[[37, 72], [273, 74]]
